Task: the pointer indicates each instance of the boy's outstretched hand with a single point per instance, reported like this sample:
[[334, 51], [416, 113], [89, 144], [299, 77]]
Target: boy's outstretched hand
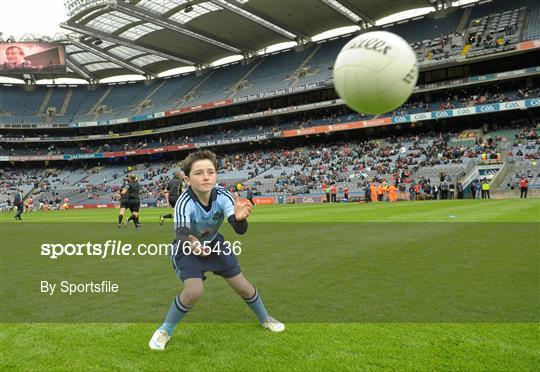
[[197, 248], [242, 209]]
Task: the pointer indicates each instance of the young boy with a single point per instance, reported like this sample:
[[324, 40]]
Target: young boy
[[198, 215]]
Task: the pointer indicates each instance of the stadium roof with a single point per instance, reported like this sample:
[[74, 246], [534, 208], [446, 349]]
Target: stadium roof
[[147, 37]]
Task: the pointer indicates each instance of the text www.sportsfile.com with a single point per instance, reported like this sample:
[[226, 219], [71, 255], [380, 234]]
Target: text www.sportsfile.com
[[113, 248]]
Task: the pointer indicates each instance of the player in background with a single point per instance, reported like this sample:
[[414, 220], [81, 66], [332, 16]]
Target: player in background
[[380, 192], [174, 189], [133, 200], [19, 204], [122, 199], [130, 199], [198, 215], [30, 205], [392, 193], [373, 191], [250, 196]]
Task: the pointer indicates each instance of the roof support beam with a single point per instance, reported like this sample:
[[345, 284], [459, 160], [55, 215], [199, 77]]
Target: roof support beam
[[172, 25], [238, 9], [109, 57], [72, 64], [349, 11], [439, 4], [92, 32], [267, 18]]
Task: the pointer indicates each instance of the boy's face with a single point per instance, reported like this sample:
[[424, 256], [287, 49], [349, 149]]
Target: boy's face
[[202, 176]]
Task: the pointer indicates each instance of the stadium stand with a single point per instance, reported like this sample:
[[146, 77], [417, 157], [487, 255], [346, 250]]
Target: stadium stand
[[169, 93], [219, 85], [319, 67], [533, 21], [439, 101], [274, 73], [122, 99], [404, 160], [491, 28], [456, 33]]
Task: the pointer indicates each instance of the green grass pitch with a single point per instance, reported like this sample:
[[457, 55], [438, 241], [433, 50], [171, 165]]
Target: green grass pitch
[[448, 285]]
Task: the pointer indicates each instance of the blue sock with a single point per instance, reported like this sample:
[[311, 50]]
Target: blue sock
[[255, 303], [176, 312]]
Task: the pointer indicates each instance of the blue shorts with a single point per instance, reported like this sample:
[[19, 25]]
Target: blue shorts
[[192, 266]]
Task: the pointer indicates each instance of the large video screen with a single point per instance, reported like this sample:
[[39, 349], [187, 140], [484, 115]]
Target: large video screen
[[16, 58]]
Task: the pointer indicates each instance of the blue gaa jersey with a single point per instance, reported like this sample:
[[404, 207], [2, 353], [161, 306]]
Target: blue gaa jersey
[[203, 221]]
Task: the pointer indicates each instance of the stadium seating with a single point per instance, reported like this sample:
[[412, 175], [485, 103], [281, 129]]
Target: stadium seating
[[21, 105], [427, 27], [170, 92], [440, 101], [219, 84], [413, 159], [319, 67], [122, 99], [274, 72], [533, 21], [56, 100]]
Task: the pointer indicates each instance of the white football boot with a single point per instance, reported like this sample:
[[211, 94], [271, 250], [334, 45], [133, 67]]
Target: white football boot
[[273, 325], [159, 340]]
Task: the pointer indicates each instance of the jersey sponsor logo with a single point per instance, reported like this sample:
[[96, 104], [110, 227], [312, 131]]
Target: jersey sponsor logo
[[217, 215]]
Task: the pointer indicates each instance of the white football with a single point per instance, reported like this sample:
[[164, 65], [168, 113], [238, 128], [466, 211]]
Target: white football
[[375, 72]]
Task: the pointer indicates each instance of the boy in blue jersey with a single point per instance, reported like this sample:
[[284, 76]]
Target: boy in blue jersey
[[198, 215]]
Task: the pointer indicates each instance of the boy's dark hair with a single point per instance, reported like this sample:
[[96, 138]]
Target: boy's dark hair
[[196, 156]]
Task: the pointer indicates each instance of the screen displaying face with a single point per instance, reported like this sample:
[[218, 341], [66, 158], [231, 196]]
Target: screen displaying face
[[32, 57]]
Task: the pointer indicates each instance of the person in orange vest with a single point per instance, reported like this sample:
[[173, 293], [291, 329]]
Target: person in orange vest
[[346, 193], [333, 193], [392, 193], [380, 192], [385, 192], [373, 191], [524, 187]]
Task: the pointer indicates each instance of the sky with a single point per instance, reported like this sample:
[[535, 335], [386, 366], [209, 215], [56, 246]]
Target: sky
[[39, 17]]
